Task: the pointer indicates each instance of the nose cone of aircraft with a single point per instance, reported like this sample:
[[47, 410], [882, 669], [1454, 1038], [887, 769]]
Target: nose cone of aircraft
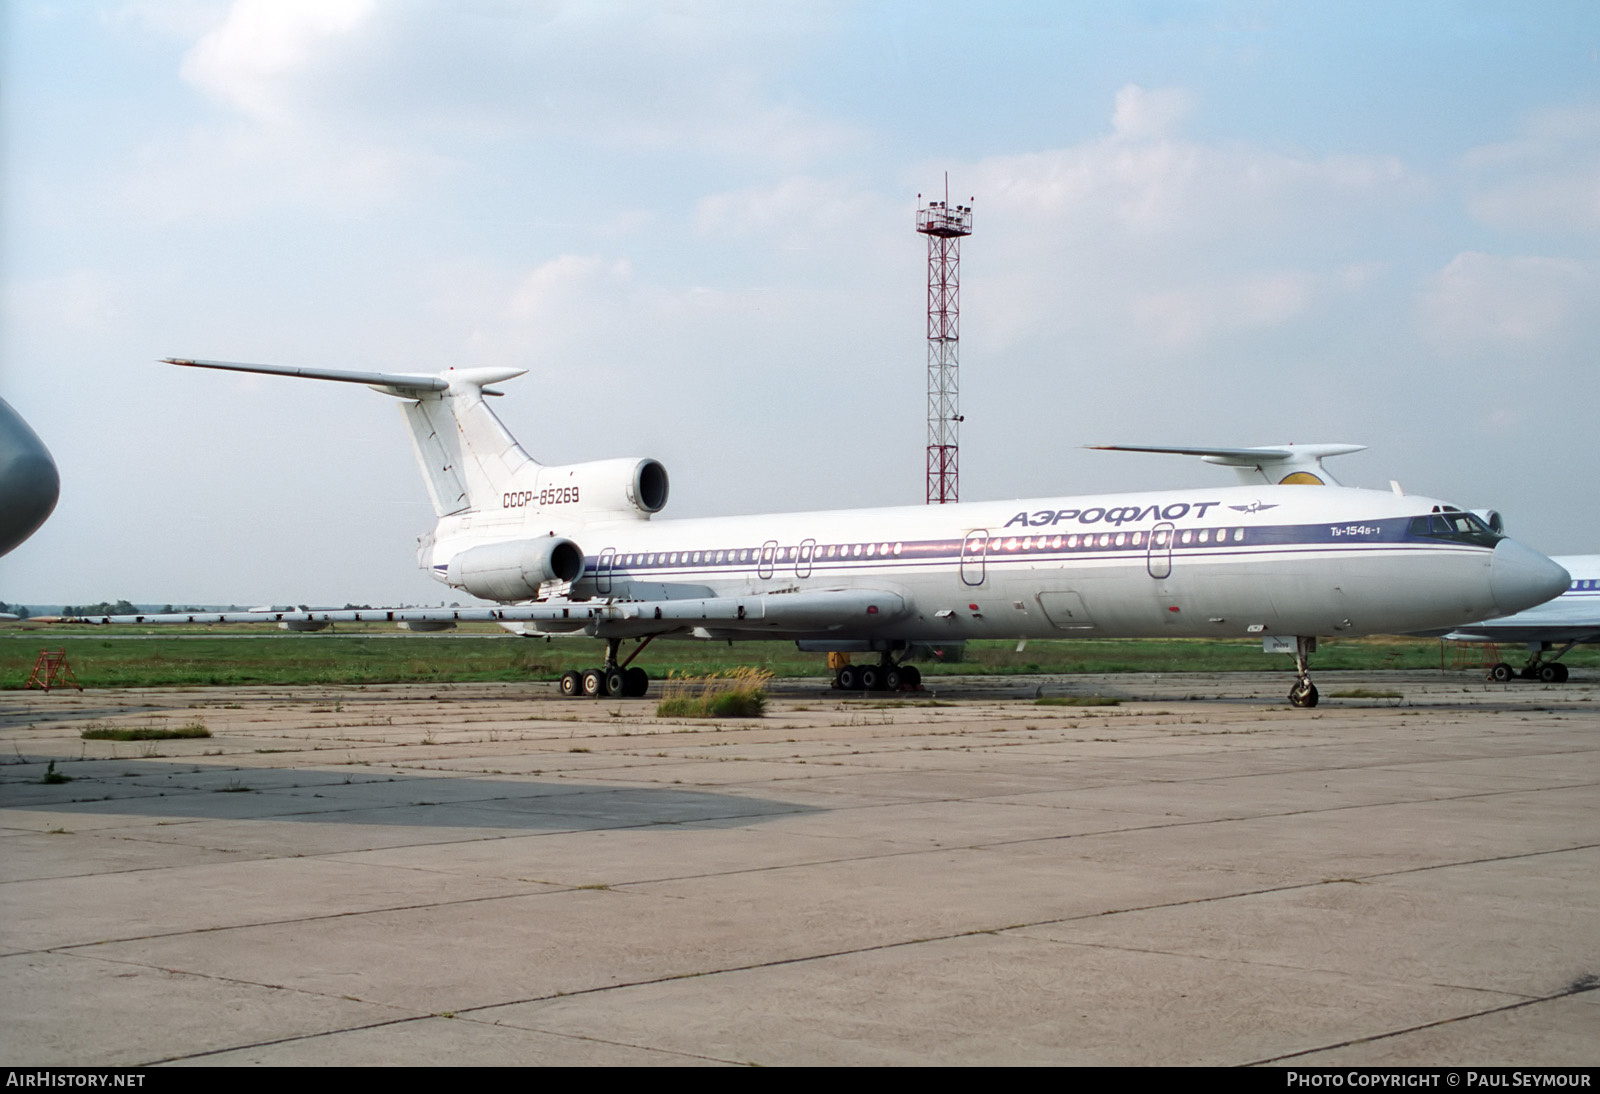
[[29, 483], [1520, 577]]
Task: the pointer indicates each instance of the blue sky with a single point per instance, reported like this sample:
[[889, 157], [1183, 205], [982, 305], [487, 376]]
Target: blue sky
[[1230, 223]]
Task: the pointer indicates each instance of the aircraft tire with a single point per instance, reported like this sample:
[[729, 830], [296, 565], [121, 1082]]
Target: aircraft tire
[[910, 677], [571, 684], [635, 683], [894, 679], [1561, 673], [616, 682], [1553, 673], [1502, 673], [1303, 694], [872, 678], [848, 679], [594, 684]]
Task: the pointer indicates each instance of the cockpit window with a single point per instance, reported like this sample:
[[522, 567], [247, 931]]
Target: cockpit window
[[1456, 526]]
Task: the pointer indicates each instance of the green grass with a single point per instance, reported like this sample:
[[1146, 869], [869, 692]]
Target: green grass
[[183, 657], [145, 733], [741, 693], [728, 705]]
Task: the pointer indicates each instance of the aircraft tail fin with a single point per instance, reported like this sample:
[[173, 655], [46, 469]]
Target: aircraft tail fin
[[467, 456]]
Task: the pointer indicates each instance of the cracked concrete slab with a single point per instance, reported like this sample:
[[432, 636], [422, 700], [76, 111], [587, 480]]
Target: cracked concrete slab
[[488, 874]]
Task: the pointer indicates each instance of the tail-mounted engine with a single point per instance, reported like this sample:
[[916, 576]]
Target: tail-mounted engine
[[515, 570], [632, 487]]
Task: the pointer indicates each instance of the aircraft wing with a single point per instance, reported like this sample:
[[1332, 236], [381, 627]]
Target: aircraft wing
[[817, 611], [1526, 632]]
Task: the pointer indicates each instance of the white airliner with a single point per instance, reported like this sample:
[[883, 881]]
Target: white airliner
[[1570, 619], [576, 550]]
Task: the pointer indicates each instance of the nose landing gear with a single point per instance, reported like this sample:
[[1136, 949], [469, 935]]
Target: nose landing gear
[[1304, 692]]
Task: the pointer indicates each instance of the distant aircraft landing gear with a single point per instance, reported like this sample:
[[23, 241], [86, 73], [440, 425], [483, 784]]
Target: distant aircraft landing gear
[[1304, 692], [884, 676], [611, 680], [1537, 668]]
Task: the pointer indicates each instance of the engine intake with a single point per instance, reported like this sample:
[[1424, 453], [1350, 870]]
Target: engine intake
[[637, 486], [515, 570]]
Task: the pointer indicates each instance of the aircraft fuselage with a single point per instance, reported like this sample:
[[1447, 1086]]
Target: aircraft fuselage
[[1228, 562]]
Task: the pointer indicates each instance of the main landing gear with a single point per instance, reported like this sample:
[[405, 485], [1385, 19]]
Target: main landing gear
[[1537, 668], [609, 681], [884, 676], [1304, 692]]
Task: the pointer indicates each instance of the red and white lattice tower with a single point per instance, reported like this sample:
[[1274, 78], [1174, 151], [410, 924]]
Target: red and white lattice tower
[[944, 225]]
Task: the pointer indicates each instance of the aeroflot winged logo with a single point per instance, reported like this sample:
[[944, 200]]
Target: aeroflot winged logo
[[1253, 507], [1117, 514]]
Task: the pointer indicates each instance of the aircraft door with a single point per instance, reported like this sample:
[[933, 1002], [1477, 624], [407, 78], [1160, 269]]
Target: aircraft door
[[1158, 558], [802, 563], [602, 571], [974, 551], [769, 552]]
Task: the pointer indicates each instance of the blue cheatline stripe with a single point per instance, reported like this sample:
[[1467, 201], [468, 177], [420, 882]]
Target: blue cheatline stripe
[[1388, 534]]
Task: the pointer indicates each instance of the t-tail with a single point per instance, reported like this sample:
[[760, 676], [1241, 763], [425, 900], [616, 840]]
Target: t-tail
[[474, 468]]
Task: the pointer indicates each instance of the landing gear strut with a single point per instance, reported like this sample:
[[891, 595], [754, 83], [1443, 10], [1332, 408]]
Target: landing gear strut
[[610, 680], [1304, 692]]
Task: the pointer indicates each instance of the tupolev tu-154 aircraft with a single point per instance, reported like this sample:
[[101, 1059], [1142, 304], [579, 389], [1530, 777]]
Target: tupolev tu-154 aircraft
[[577, 549]]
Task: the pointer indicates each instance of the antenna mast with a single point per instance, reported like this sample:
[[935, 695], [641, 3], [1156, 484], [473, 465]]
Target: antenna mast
[[944, 226]]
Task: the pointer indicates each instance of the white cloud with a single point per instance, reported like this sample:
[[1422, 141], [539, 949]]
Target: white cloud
[[697, 76], [1150, 113], [1167, 244], [343, 104], [1546, 180], [249, 60], [1482, 303], [1175, 187], [793, 212], [1193, 314]]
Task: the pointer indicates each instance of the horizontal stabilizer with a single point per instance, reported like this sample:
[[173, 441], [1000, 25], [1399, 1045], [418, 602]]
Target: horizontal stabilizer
[[399, 380], [467, 457], [1274, 465]]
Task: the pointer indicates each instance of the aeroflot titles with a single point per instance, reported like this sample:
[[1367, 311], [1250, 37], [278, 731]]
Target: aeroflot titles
[[1119, 515]]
